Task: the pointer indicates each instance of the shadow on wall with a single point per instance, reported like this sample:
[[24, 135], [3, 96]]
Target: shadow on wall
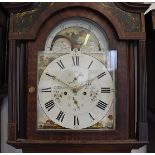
[[5, 148]]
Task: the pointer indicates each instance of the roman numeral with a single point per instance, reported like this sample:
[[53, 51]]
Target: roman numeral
[[46, 89], [75, 60], [60, 116], [90, 64], [91, 116], [101, 75], [61, 65], [76, 120], [49, 105], [105, 90], [101, 105]]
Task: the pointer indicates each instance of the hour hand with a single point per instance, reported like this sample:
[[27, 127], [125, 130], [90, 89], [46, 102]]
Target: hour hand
[[50, 75]]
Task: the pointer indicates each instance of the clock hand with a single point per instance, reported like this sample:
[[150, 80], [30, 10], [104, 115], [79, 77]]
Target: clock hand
[[54, 77], [76, 103]]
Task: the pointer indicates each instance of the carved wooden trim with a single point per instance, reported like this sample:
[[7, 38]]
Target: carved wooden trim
[[56, 7], [133, 7], [16, 7]]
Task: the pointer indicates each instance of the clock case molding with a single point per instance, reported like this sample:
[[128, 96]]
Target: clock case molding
[[27, 40]]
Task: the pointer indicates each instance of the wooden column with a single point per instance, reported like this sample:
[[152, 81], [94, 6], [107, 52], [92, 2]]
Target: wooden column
[[12, 88], [142, 93]]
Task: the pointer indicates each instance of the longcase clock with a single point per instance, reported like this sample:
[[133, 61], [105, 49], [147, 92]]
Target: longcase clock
[[77, 80]]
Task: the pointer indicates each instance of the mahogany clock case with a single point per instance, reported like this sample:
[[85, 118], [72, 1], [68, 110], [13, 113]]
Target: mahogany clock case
[[131, 78]]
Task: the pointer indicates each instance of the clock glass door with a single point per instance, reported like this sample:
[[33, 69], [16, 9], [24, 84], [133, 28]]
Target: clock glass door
[[76, 79]]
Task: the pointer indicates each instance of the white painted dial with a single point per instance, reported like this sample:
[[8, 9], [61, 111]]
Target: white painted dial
[[75, 91]]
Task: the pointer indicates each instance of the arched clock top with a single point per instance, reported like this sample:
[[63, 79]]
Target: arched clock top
[[77, 33]]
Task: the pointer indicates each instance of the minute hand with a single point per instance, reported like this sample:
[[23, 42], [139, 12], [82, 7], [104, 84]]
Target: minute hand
[[55, 78]]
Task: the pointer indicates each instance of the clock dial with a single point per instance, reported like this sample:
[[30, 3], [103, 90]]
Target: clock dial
[[76, 79], [75, 91]]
